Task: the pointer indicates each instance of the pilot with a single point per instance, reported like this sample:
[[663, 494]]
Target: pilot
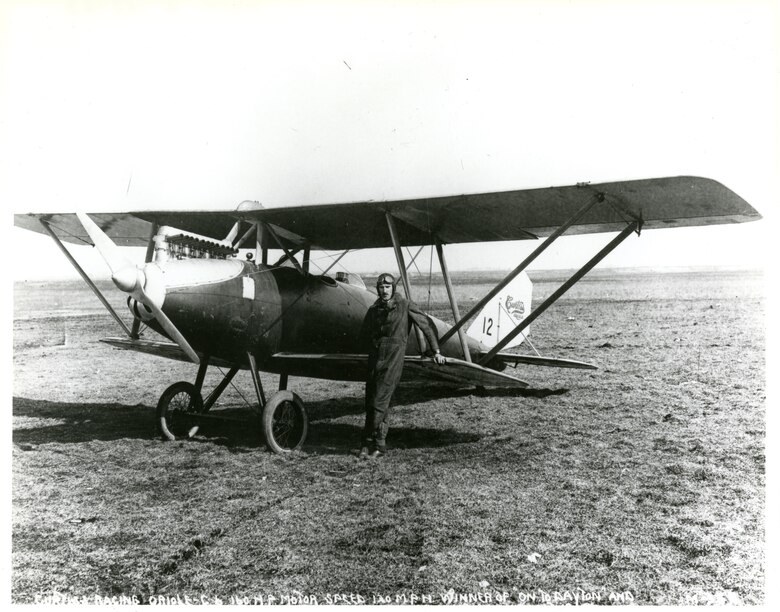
[[386, 331]]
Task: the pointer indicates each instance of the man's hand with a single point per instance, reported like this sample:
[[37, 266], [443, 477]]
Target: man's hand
[[439, 358]]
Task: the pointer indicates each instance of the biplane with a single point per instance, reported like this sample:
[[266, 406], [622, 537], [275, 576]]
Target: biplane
[[218, 309]]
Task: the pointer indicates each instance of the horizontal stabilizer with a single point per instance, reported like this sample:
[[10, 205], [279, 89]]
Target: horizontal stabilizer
[[550, 362]]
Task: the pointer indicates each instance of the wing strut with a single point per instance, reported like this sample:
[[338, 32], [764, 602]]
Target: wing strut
[[595, 199], [453, 302], [399, 256], [630, 228], [86, 278], [261, 243], [245, 236]]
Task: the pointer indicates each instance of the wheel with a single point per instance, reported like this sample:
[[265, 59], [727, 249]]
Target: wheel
[[285, 423], [176, 404]]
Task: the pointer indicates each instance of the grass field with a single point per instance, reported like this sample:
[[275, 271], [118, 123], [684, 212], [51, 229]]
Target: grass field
[[641, 482]]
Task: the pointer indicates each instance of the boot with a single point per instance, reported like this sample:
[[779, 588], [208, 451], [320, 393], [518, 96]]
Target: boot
[[379, 451]]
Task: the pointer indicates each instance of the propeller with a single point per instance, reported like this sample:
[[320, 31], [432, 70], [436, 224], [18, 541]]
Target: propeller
[[144, 284]]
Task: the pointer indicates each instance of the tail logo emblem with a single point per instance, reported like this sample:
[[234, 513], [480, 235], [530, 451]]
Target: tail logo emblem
[[516, 308]]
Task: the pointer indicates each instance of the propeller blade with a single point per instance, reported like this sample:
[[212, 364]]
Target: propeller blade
[[173, 332], [110, 252], [131, 280]]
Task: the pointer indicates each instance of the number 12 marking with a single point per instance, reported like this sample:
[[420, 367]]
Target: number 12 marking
[[487, 325]]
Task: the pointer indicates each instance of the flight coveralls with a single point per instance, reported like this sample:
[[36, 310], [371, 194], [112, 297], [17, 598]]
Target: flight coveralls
[[386, 327]]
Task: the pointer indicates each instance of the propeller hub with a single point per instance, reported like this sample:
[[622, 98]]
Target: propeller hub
[[126, 278], [153, 284]]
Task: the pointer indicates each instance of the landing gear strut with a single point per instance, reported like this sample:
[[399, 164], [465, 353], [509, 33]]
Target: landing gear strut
[[283, 420]]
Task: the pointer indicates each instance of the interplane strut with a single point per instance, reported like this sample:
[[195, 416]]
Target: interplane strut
[[599, 197], [86, 279]]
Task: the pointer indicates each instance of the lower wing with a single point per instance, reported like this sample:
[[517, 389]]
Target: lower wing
[[417, 370], [165, 349]]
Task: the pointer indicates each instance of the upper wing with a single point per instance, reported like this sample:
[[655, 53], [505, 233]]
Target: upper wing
[[125, 229], [485, 217], [514, 215]]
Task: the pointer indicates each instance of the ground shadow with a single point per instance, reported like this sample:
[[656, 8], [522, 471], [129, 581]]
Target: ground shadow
[[79, 422], [68, 422], [334, 408], [409, 396], [405, 396], [326, 435], [73, 423], [341, 438]]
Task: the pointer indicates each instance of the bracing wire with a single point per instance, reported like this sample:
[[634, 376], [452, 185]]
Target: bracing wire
[[501, 305], [246, 401], [313, 261], [334, 259], [71, 234], [412, 262]]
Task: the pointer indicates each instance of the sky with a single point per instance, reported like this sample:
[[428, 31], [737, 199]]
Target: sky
[[201, 105]]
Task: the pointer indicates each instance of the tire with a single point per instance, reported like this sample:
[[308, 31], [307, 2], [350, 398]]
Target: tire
[[285, 423], [176, 403]]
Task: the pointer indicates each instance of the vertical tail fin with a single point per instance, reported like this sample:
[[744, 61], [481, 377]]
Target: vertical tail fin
[[503, 313]]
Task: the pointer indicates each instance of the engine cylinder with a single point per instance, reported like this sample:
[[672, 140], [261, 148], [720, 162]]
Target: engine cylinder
[[139, 310]]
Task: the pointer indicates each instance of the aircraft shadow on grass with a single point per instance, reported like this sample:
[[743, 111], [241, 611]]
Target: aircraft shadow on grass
[[79, 422], [414, 395], [83, 422]]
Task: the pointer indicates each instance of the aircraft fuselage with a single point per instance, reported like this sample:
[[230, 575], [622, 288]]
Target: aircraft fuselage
[[227, 308]]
